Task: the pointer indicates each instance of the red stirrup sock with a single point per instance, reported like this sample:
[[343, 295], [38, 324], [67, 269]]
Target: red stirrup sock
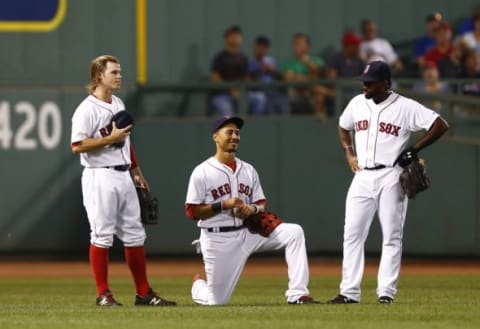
[[135, 257], [99, 264]]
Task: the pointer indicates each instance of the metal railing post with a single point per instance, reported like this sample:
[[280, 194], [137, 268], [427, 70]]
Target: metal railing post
[[339, 95], [243, 100]]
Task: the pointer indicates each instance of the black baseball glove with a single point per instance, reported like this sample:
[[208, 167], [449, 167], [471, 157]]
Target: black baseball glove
[[148, 206], [406, 156], [414, 177], [122, 119]]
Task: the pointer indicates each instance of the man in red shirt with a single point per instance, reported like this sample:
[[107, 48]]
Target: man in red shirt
[[443, 47]]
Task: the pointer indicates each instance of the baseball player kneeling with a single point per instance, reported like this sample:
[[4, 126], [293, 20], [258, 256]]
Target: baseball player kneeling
[[109, 193], [226, 198]]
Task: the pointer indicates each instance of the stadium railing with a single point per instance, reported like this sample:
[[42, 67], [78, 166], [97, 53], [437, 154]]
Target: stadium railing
[[461, 111]]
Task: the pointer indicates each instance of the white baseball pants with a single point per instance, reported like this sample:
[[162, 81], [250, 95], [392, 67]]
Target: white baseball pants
[[373, 191], [225, 255]]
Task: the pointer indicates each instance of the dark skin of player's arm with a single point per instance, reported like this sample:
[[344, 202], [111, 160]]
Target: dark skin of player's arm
[[378, 92], [439, 127], [345, 138]]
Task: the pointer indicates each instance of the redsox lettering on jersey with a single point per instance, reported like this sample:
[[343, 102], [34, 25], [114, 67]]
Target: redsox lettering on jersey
[[383, 127], [383, 130], [223, 184], [225, 189]]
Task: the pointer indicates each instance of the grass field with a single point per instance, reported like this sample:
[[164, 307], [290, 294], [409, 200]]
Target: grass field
[[424, 301]]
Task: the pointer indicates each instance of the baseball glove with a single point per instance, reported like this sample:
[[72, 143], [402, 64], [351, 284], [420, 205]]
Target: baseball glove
[[262, 223], [414, 178], [148, 206], [122, 119]]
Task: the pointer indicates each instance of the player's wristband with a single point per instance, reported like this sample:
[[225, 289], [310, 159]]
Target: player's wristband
[[257, 208], [217, 207]]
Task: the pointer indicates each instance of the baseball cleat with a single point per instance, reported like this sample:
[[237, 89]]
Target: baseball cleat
[[152, 299], [341, 299], [106, 299], [385, 300], [305, 300]]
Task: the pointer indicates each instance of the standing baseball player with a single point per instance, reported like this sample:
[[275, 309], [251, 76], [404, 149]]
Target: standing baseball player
[[109, 193], [382, 121], [222, 192]]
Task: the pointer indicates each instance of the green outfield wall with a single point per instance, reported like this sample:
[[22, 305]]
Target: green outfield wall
[[301, 167]]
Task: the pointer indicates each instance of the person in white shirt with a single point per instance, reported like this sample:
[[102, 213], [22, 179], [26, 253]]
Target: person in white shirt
[[374, 48], [383, 122], [471, 39]]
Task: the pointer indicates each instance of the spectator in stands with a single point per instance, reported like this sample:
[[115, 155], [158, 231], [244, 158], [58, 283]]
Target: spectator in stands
[[467, 24], [347, 63], [470, 64], [304, 67], [231, 64], [263, 68], [431, 84], [443, 47], [374, 48], [426, 42], [451, 67], [471, 40]]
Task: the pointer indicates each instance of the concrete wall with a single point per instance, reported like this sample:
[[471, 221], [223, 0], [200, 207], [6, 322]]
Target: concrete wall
[[301, 167]]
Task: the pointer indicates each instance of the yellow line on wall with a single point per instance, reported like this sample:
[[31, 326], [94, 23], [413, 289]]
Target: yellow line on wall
[[142, 41], [37, 26]]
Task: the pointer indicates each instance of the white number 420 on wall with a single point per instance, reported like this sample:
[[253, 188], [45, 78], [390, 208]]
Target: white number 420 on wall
[[48, 116]]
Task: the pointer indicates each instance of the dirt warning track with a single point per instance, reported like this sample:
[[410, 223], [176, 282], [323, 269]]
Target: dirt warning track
[[255, 267]]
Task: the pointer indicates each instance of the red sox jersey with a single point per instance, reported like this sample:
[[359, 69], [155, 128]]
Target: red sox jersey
[[383, 130], [90, 120], [212, 181]]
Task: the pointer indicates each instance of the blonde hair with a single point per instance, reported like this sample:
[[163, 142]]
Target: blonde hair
[[98, 66]]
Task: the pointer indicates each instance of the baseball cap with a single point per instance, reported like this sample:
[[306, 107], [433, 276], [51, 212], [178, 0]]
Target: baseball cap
[[375, 71], [351, 38], [220, 122]]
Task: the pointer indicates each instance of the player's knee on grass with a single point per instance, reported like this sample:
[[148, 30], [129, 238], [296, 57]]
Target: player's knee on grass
[[217, 301]]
